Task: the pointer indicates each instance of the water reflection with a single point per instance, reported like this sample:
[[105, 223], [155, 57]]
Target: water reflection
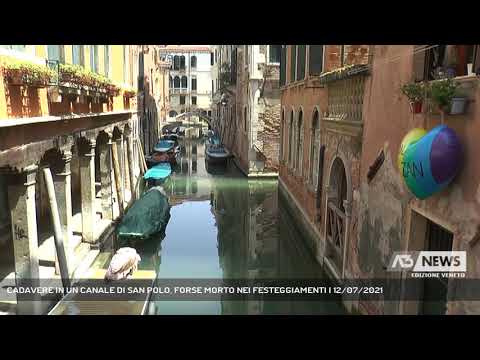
[[223, 225]]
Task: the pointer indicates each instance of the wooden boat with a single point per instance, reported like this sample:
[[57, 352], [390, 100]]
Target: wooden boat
[[216, 153], [148, 216], [164, 151]]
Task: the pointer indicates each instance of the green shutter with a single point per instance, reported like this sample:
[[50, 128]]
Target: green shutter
[[293, 62]]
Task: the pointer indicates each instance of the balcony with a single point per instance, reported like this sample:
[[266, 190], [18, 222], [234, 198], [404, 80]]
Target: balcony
[[174, 91]]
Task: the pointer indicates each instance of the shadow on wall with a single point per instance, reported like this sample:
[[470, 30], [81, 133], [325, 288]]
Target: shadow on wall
[[149, 122]]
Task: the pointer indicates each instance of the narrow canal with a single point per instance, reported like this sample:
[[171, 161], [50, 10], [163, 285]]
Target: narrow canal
[[223, 225]]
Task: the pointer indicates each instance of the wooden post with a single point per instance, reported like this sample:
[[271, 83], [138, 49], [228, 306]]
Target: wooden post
[[143, 162], [57, 227], [118, 181], [130, 167]]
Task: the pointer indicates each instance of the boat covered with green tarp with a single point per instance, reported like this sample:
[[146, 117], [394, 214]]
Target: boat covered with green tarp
[[148, 216]]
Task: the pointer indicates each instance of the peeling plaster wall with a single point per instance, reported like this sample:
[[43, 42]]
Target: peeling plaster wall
[[384, 205]]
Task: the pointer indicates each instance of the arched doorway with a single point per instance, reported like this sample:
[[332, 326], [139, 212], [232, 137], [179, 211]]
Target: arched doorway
[[336, 215]]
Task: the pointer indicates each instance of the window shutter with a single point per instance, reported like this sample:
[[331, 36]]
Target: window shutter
[[419, 62], [293, 62], [301, 61], [476, 59], [315, 59], [283, 63]]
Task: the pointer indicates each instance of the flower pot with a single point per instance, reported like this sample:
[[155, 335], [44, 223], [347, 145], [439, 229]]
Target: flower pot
[[416, 107], [459, 105]]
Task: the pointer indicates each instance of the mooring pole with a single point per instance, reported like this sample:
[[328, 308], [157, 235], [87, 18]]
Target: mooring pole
[[116, 171], [57, 228]]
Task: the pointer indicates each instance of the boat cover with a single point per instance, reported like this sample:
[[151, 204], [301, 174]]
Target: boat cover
[[148, 216], [164, 145], [158, 172]]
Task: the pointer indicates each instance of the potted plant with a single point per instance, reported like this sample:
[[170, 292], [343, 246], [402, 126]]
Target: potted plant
[[458, 103], [442, 93], [415, 92]]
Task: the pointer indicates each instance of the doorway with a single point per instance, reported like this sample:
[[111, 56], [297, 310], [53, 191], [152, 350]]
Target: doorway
[[437, 239]]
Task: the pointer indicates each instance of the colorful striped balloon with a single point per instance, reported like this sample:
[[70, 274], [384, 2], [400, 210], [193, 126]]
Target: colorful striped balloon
[[429, 161]]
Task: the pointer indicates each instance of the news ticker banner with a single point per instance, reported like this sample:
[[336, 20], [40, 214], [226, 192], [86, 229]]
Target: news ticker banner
[[247, 289]]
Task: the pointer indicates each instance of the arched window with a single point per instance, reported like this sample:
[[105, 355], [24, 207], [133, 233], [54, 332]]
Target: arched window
[[176, 82], [176, 63], [314, 146], [184, 82], [282, 134], [182, 62], [290, 140], [171, 82], [299, 154], [245, 118], [193, 61]]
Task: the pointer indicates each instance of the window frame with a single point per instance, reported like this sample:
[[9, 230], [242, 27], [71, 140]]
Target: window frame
[[269, 53]]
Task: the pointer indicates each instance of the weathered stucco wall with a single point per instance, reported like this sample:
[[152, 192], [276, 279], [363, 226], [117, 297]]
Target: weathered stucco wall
[[385, 205]]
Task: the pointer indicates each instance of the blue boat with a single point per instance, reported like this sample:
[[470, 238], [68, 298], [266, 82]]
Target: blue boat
[[164, 146], [158, 173]]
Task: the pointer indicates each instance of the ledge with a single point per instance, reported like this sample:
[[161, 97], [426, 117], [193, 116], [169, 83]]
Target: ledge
[[344, 73], [44, 119], [345, 127]]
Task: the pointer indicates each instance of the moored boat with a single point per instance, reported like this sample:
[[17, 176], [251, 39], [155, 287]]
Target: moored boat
[[216, 153], [159, 173], [148, 216]]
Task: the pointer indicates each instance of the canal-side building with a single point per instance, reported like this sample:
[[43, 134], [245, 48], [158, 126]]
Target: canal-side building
[[343, 121], [189, 79], [247, 99], [153, 90], [80, 122]]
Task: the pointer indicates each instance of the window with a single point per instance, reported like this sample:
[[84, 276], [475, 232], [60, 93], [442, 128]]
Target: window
[[124, 49], [274, 53], [299, 140], [293, 62], [170, 82], [194, 84], [245, 119], [290, 139], [176, 63], [182, 99], [94, 58], [211, 58], [282, 134], [56, 53], [301, 56], [176, 82], [184, 82], [194, 100], [314, 143], [315, 59], [283, 63], [106, 60], [182, 62], [439, 61], [193, 61], [78, 56], [246, 55], [319, 179], [213, 88]]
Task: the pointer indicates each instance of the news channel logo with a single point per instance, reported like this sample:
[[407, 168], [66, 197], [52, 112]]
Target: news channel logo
[[430, 263]]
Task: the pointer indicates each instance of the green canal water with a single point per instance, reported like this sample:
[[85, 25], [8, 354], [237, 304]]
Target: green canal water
[[224, 226]]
